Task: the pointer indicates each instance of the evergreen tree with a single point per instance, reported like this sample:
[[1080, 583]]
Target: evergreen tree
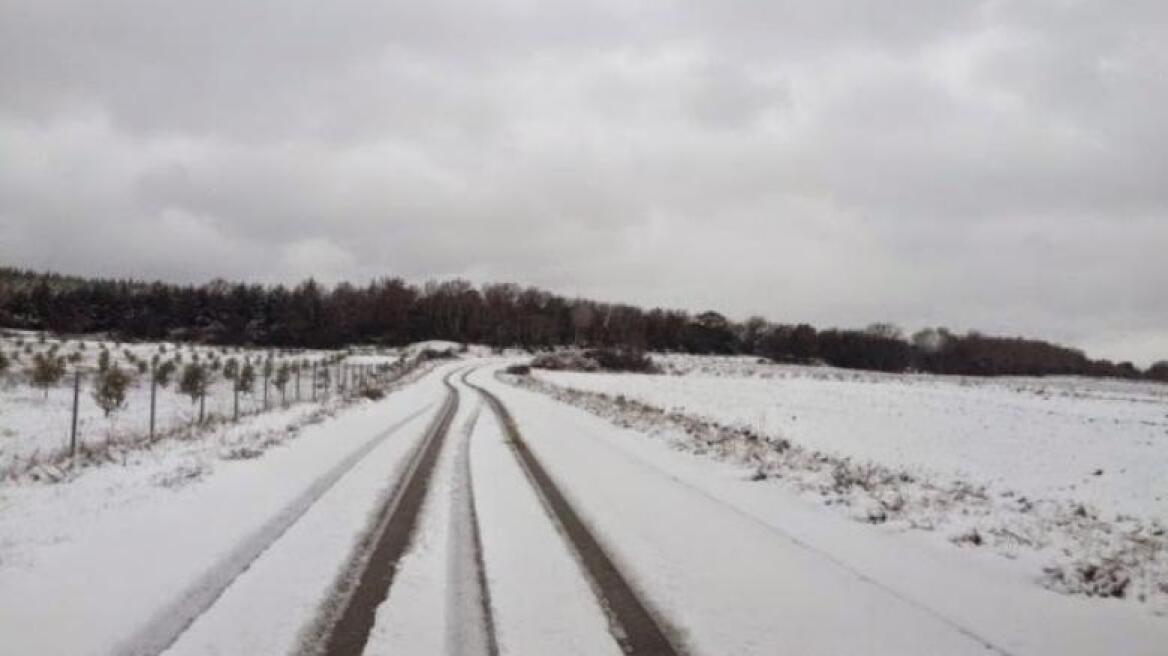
[[194, 383], [163, 372], [283, 375], [247, 378], [46, 371], [109, 389]]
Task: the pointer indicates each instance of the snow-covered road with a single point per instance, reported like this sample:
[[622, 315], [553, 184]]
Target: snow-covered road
[[735, 567], [250, 559], [246, 553]]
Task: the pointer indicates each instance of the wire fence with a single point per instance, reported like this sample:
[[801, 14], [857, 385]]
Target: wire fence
[[50, 419]]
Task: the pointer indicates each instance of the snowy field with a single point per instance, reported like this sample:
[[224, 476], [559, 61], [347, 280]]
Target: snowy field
[[239, 542], [1099, 442], [1064, 476], [35, 422], [739, 566]]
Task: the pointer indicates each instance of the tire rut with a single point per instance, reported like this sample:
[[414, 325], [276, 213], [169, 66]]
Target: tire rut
[[348, 622], [165, 628], [632, 624]]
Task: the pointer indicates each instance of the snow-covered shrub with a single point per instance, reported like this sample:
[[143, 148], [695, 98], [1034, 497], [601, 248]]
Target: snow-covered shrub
[[373, 393], [242, 452], [182, 475], [163, 373], [622, 359], [567, 360], [46, 371], [604, 359], [435, 354], [1105, 577], [109, 389]]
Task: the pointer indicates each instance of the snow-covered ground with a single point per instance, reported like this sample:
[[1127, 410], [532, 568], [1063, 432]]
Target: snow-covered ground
[[746, 567], [1063, 475], [121, 559], [1100, 442], [35, 424], [738, 535]]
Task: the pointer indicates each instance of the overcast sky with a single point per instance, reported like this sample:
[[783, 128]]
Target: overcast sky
[[991, 165]]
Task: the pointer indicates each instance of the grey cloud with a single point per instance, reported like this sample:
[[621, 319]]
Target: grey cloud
[[984, 165]]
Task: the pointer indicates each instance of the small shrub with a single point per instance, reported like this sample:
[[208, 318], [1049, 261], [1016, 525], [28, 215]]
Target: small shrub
[[434, 354], [283, 376], [231, 368], [569, 360], [163, 373], [181, 476], [194, 381], [622, 359], [373, 393], [109, 390], [241, 453], [246, 380], [1107, 577], [971, 537], [46, 371]]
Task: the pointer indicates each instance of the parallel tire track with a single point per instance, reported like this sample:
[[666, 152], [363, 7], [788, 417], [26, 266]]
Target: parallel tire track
[[171, 621], [633, 625], [375, 564], [471, 625]]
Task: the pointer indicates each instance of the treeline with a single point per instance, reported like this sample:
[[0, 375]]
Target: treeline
[[392, 312]]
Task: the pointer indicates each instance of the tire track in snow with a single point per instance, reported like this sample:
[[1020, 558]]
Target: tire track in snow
[[471, 626], [989, 644], [348, 617], [633, 625], [165, 627]]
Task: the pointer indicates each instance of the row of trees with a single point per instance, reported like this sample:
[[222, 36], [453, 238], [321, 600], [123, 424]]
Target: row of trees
[[108, 380], [392, 312]]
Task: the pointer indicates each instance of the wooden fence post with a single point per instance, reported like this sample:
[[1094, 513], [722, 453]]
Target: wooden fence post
[[73, 430], [153, 396]]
